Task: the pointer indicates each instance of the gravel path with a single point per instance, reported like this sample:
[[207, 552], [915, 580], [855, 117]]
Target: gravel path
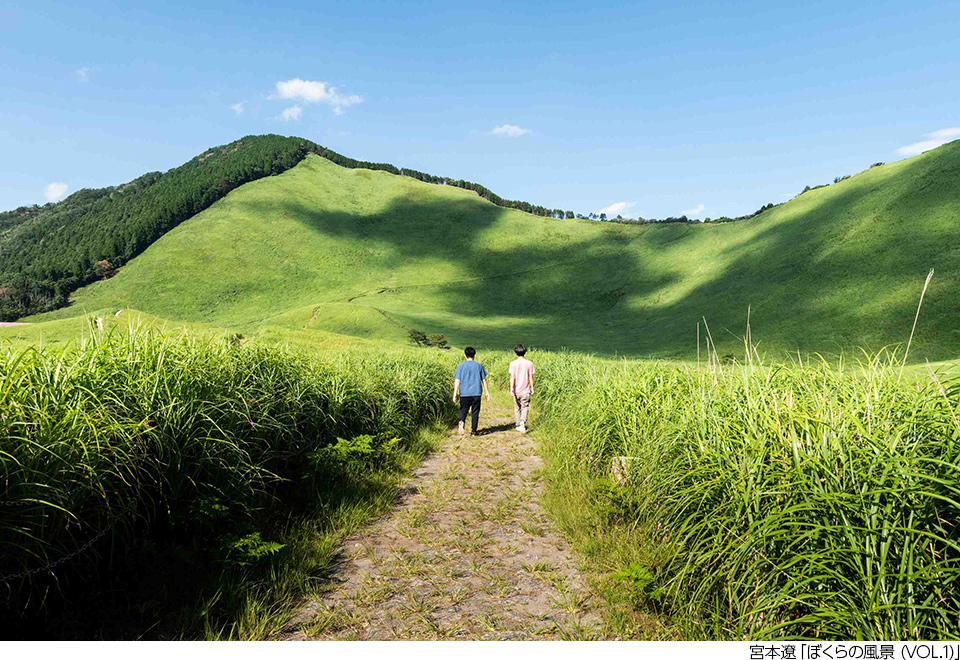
[[468, 553]]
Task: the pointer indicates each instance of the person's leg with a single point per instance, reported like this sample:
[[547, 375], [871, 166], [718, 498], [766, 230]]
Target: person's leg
[[475, 418], [524, 405], [464, 408], [516, 410]]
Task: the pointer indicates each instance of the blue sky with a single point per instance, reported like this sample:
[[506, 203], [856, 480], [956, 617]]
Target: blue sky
[[662, 107]]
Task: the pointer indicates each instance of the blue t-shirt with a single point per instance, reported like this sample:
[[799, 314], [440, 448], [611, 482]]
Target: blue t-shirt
[[470, 373]]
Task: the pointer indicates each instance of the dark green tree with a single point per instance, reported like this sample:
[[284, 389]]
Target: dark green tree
[[419, 337]]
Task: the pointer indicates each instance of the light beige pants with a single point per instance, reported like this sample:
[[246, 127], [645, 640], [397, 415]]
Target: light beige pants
[[521, 406]]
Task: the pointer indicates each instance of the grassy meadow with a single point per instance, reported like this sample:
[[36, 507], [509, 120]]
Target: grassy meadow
[[237, 399], [206, 481], [794, 501], [322, 248], [805, 500]]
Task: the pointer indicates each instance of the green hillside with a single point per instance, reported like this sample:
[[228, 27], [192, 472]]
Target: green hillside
[[47, 252], [372, 254]]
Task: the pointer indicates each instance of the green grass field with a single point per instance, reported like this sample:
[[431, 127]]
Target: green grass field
[[797, 500], [358, 253], [193, 483]]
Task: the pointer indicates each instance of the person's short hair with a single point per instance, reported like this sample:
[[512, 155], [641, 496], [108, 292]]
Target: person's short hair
[[520, 350], [470, 351]]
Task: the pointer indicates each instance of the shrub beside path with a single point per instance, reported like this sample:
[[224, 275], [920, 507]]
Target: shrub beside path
[[468, 553]]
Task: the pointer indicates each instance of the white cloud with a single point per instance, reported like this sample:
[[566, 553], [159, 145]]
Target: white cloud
[[695, 211], [83, 74], [54, 192], [933, 141], [945, 133], [617, 208], [238, 107], [315, 91], [509, 130], [292, 113]]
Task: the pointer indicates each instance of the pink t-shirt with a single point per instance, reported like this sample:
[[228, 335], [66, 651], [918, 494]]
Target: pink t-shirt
[[521, 373]]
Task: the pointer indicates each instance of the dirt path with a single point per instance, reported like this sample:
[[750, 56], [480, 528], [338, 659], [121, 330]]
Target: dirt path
[[468, 553]]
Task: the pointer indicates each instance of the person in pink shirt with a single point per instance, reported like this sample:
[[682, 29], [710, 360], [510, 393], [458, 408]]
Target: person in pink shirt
[[521, 386]]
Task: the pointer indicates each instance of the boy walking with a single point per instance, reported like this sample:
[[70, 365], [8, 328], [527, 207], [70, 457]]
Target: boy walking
[[521, 386], [469, 381]]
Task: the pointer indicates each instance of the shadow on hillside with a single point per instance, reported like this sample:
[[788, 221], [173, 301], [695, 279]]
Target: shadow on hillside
[[848, 274], [845, 275], [552, 293]]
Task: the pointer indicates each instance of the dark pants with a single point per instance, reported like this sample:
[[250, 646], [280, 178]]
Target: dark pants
[[471, 403]]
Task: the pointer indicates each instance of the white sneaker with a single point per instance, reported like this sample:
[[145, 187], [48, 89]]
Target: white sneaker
[[522, 428]]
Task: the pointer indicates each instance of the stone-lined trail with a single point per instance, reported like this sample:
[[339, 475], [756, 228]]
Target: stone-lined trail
[[467, 553]]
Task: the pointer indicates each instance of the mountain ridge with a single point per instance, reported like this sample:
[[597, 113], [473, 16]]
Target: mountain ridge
[[94, 231], [368, 254]]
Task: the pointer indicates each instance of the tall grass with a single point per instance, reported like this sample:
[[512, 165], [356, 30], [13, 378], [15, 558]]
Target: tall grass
[[135, 434], [789, 501]]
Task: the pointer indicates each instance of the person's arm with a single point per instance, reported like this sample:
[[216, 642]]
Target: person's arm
[[456, 389], [513, 383], [531, 383], [485, 390]]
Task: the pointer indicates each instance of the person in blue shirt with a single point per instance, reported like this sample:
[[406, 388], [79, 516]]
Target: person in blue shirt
[[469, 382]]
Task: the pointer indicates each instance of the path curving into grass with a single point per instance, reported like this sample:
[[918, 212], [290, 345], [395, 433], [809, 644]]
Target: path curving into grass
[[468, 553]]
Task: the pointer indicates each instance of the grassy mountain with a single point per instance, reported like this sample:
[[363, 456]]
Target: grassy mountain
[[47, 252], [371, 254]]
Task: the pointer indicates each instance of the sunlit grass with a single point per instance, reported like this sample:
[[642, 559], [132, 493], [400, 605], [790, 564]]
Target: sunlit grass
[[133, 436], [789, 501], [322, 250]]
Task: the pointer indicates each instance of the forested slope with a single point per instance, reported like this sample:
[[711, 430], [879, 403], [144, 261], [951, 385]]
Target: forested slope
[[46, 252]]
